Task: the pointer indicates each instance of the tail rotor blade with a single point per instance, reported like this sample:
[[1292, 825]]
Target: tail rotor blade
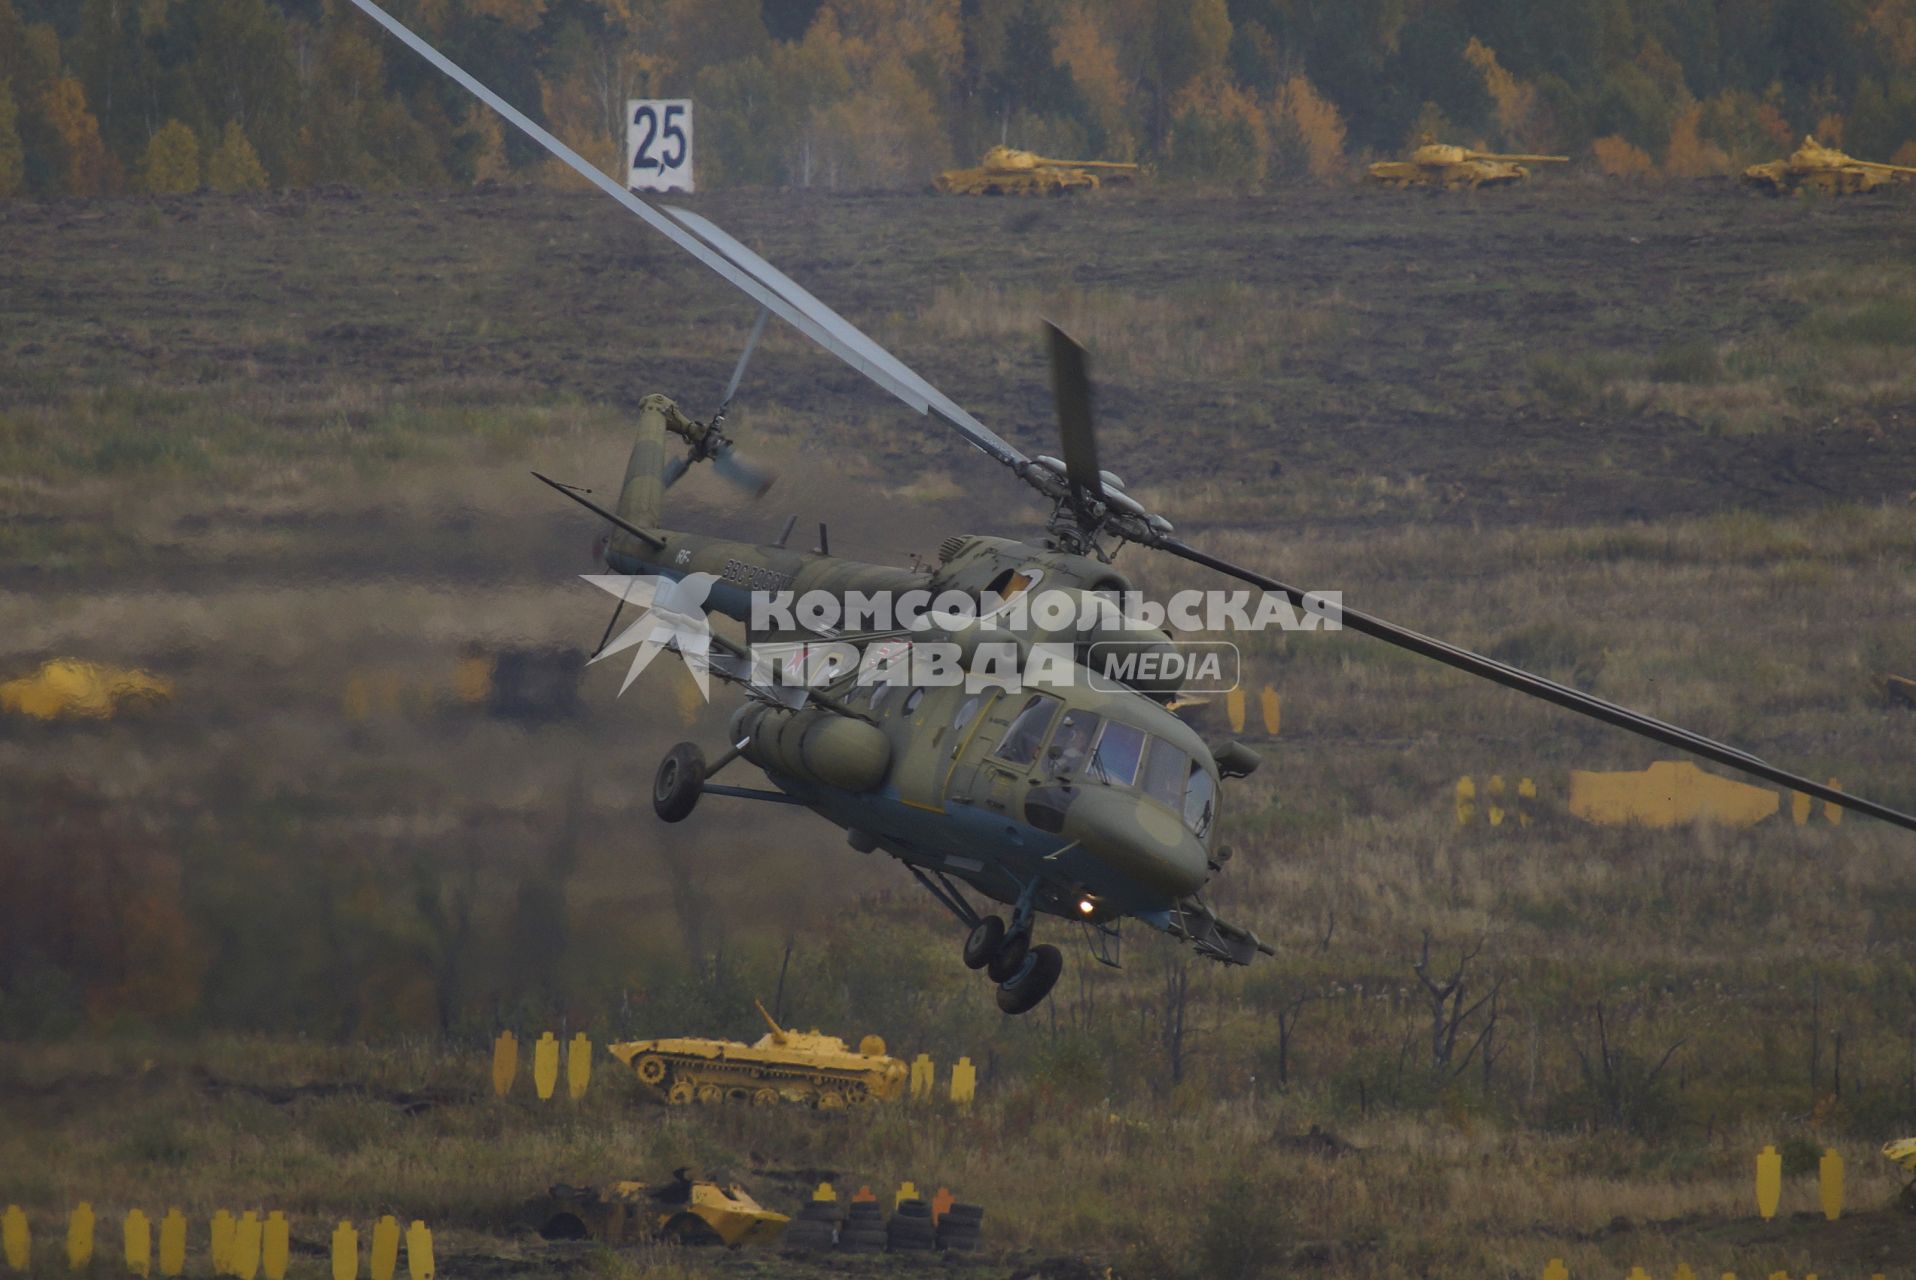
[[745, 475]]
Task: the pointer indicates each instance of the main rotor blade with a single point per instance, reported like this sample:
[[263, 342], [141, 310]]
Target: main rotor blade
[[1549, 690], [922, 395], [1071, 388], [797, 308], [744, 358]]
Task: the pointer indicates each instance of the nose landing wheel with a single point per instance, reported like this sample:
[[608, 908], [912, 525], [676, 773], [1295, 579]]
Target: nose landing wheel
[[1026, 989]]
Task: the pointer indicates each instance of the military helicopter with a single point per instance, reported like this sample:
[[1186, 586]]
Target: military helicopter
[[1080, 798]]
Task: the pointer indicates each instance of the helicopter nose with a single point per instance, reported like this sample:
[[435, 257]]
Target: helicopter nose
[[1138, 838]]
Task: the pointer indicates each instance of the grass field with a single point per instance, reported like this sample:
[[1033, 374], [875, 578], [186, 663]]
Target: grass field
[[1656, 441]]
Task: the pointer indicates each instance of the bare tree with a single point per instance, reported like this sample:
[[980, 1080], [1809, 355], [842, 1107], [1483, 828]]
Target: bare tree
[[1448, 1011], [1616, 1079]]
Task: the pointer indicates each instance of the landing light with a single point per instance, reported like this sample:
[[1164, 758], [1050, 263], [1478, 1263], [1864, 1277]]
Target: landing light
[[1087, 906]]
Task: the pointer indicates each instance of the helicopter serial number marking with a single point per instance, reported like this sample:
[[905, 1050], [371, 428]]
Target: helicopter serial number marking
[[754, 577]]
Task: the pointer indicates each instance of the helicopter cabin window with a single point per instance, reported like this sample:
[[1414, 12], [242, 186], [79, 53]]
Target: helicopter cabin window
[[1010, 584], [911, 702], [966, 712], [1071, 743], [1026, 734], [1165, 770], [1200, 802], [880, 692], [1118, 754]]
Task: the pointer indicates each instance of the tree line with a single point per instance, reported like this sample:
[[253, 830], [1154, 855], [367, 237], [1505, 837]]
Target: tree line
[[160, 96]]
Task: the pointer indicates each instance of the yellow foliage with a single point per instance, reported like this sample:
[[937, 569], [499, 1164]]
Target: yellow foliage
[[1689, 156], [1619, 159], [1218, 132], [1080, 46], [171, 165], [1775, 126], [489, 160], [576, 116], [1306, 119], [89, 169], [1893, 23], [1516, 101], [885, 135], [234, 165], [927, 33]]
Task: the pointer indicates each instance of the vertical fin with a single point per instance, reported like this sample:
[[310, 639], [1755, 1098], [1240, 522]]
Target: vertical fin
[[642, 493]]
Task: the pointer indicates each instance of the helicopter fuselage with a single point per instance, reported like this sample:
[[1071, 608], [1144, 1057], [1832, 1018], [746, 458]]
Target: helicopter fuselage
[[1072, 797]]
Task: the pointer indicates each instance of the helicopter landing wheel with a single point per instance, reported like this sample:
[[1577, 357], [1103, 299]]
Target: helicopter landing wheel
[[677, 784], [1026, 989], [1010, 956], [983, 942]]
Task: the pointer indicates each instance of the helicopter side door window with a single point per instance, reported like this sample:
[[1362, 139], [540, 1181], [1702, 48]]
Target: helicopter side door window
[[1119, 752], [1165, 771], [1071, 743], [1200, 802], [1026, 734]]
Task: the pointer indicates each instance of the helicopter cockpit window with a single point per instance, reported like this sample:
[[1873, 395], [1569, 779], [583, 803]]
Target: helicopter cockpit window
[[1165, 770], [1071, 743], [1200, 802], [1026, 734], [1118, 754]]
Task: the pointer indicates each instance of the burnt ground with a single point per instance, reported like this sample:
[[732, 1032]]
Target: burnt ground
[[1383, 339]]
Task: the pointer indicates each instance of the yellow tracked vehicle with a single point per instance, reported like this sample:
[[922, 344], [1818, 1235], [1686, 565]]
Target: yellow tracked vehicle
[[1815, 167], [1437, 164], [1006, 171], [781, 1066], [686, 1210]]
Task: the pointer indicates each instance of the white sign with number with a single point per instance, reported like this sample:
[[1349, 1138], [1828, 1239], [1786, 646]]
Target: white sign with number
[[658, 144]]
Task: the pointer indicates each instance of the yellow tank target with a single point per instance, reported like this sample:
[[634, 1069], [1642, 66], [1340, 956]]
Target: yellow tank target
[[385, 1254], [1769, 1182], [80, 1237], [172, 1243], [16, 1239], [345, 1252], [137, 1234], [545, 1066]]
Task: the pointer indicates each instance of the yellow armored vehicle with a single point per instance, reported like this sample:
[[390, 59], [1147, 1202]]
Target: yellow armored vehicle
[[1815, 167], [782, 1066], [1437, 164], [686, 1210], [1006, 171]]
